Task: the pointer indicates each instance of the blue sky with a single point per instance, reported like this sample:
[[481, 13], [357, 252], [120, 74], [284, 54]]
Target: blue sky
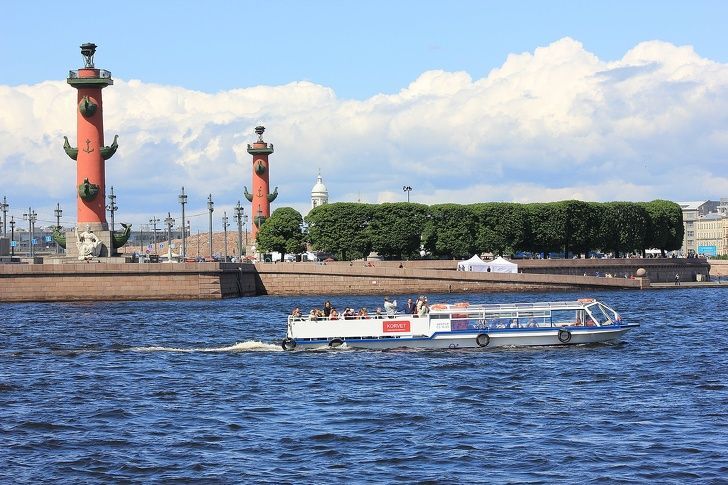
[[464, 101]]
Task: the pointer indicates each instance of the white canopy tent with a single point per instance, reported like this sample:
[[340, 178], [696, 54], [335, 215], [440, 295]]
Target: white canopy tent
[[473, 264], [498, 265]]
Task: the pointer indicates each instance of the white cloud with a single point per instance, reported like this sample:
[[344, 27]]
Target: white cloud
[[551, 124]]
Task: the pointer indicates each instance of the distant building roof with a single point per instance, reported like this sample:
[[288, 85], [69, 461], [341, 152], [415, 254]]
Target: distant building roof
[[695, 205]]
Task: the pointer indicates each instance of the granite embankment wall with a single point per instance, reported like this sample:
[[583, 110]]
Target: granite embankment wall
[[345, 279], [718, 267], [659, 270], [130, 281], [100, 281]]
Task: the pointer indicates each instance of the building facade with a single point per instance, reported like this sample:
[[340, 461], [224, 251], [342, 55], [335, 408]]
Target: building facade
[[704, 225]]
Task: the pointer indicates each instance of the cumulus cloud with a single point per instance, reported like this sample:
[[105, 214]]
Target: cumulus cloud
[[556, 123]]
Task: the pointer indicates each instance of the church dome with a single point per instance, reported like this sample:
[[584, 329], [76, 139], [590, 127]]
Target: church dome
[[319, 188], [319, 194]]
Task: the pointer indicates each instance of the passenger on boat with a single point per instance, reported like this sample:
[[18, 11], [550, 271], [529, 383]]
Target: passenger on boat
[[378, 313], [327, 308], [422, 307], [313, 315], [411, 307], [296, 313], [349, 313], [390, 306], [334, 315], [363, 313]]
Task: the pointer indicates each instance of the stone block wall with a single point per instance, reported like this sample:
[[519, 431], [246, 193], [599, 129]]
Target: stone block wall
[[98, 281]]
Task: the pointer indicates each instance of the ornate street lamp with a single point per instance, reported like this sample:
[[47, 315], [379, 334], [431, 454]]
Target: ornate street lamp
[[407, 189], [112, 208], [169, 222], [225, 225], [239, 210], [183, 200], [211, 208], [12, 236], [58, 212], [4, 207], [31, 217], [153, 221]]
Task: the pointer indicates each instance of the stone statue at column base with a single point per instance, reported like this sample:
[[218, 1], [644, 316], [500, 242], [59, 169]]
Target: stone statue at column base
[[88, 244]]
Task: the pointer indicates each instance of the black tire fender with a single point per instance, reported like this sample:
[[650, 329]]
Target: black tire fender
[[288, 344], [564, 336], [482, 340], [337, 342]]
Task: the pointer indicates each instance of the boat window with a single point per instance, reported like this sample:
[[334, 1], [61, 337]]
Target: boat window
[[566, 317], [601, 317]]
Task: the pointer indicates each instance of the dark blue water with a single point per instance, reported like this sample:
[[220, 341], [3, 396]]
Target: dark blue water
[[198, 391]]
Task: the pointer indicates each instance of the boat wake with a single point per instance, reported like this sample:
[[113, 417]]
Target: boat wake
[[247, 346]]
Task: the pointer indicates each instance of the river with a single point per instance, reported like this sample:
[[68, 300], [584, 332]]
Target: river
[[200, 391]]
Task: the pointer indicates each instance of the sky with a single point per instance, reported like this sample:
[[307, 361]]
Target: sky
[[464, 101]]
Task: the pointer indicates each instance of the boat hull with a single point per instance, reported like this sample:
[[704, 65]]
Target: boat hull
[[470, 340]]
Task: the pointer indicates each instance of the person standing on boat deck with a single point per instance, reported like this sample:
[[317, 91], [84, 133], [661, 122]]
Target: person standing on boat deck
[[327, 308], [390, 306], [411, 307]]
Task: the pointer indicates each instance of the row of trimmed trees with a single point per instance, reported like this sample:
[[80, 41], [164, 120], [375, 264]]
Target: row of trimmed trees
[[400, 230]]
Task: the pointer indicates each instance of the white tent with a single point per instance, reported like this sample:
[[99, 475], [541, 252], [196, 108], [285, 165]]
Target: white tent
[[500, 265], [473, 264]]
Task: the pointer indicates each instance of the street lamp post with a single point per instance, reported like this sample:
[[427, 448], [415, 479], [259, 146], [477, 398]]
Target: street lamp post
[[153, 221], [58, 212], [245, 226], [169, 222], [4, 206], [31, 217], [225, 225], [239, 217], [211, 208], [112, 208], [407, 189], [183, 201], [12, 236]]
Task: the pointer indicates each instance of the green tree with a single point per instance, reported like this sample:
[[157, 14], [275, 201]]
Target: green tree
[[581, 226], [547, 224], [341, 229], [449, 231], [281, 232], [623, 227], [502, 227], [396, 229], [665, 229]]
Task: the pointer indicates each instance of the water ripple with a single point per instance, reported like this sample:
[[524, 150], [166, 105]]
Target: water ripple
[[202, 392]]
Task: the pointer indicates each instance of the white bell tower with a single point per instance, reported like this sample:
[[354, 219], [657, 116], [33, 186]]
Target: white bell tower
[[319, 194]]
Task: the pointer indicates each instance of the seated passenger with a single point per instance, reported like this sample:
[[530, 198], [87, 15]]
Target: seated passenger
[[378, 313], [363, 313], [334, 315], [296, 313], [348, 313], [312, 315]]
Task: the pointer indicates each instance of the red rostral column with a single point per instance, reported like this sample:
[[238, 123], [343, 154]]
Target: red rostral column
[[90, 155], [261, 198]]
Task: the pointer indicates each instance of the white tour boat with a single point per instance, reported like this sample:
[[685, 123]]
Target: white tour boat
[[460, 326]]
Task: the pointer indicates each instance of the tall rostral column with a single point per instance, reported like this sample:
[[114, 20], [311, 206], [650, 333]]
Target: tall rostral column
[[90, 155], [261, 198]]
